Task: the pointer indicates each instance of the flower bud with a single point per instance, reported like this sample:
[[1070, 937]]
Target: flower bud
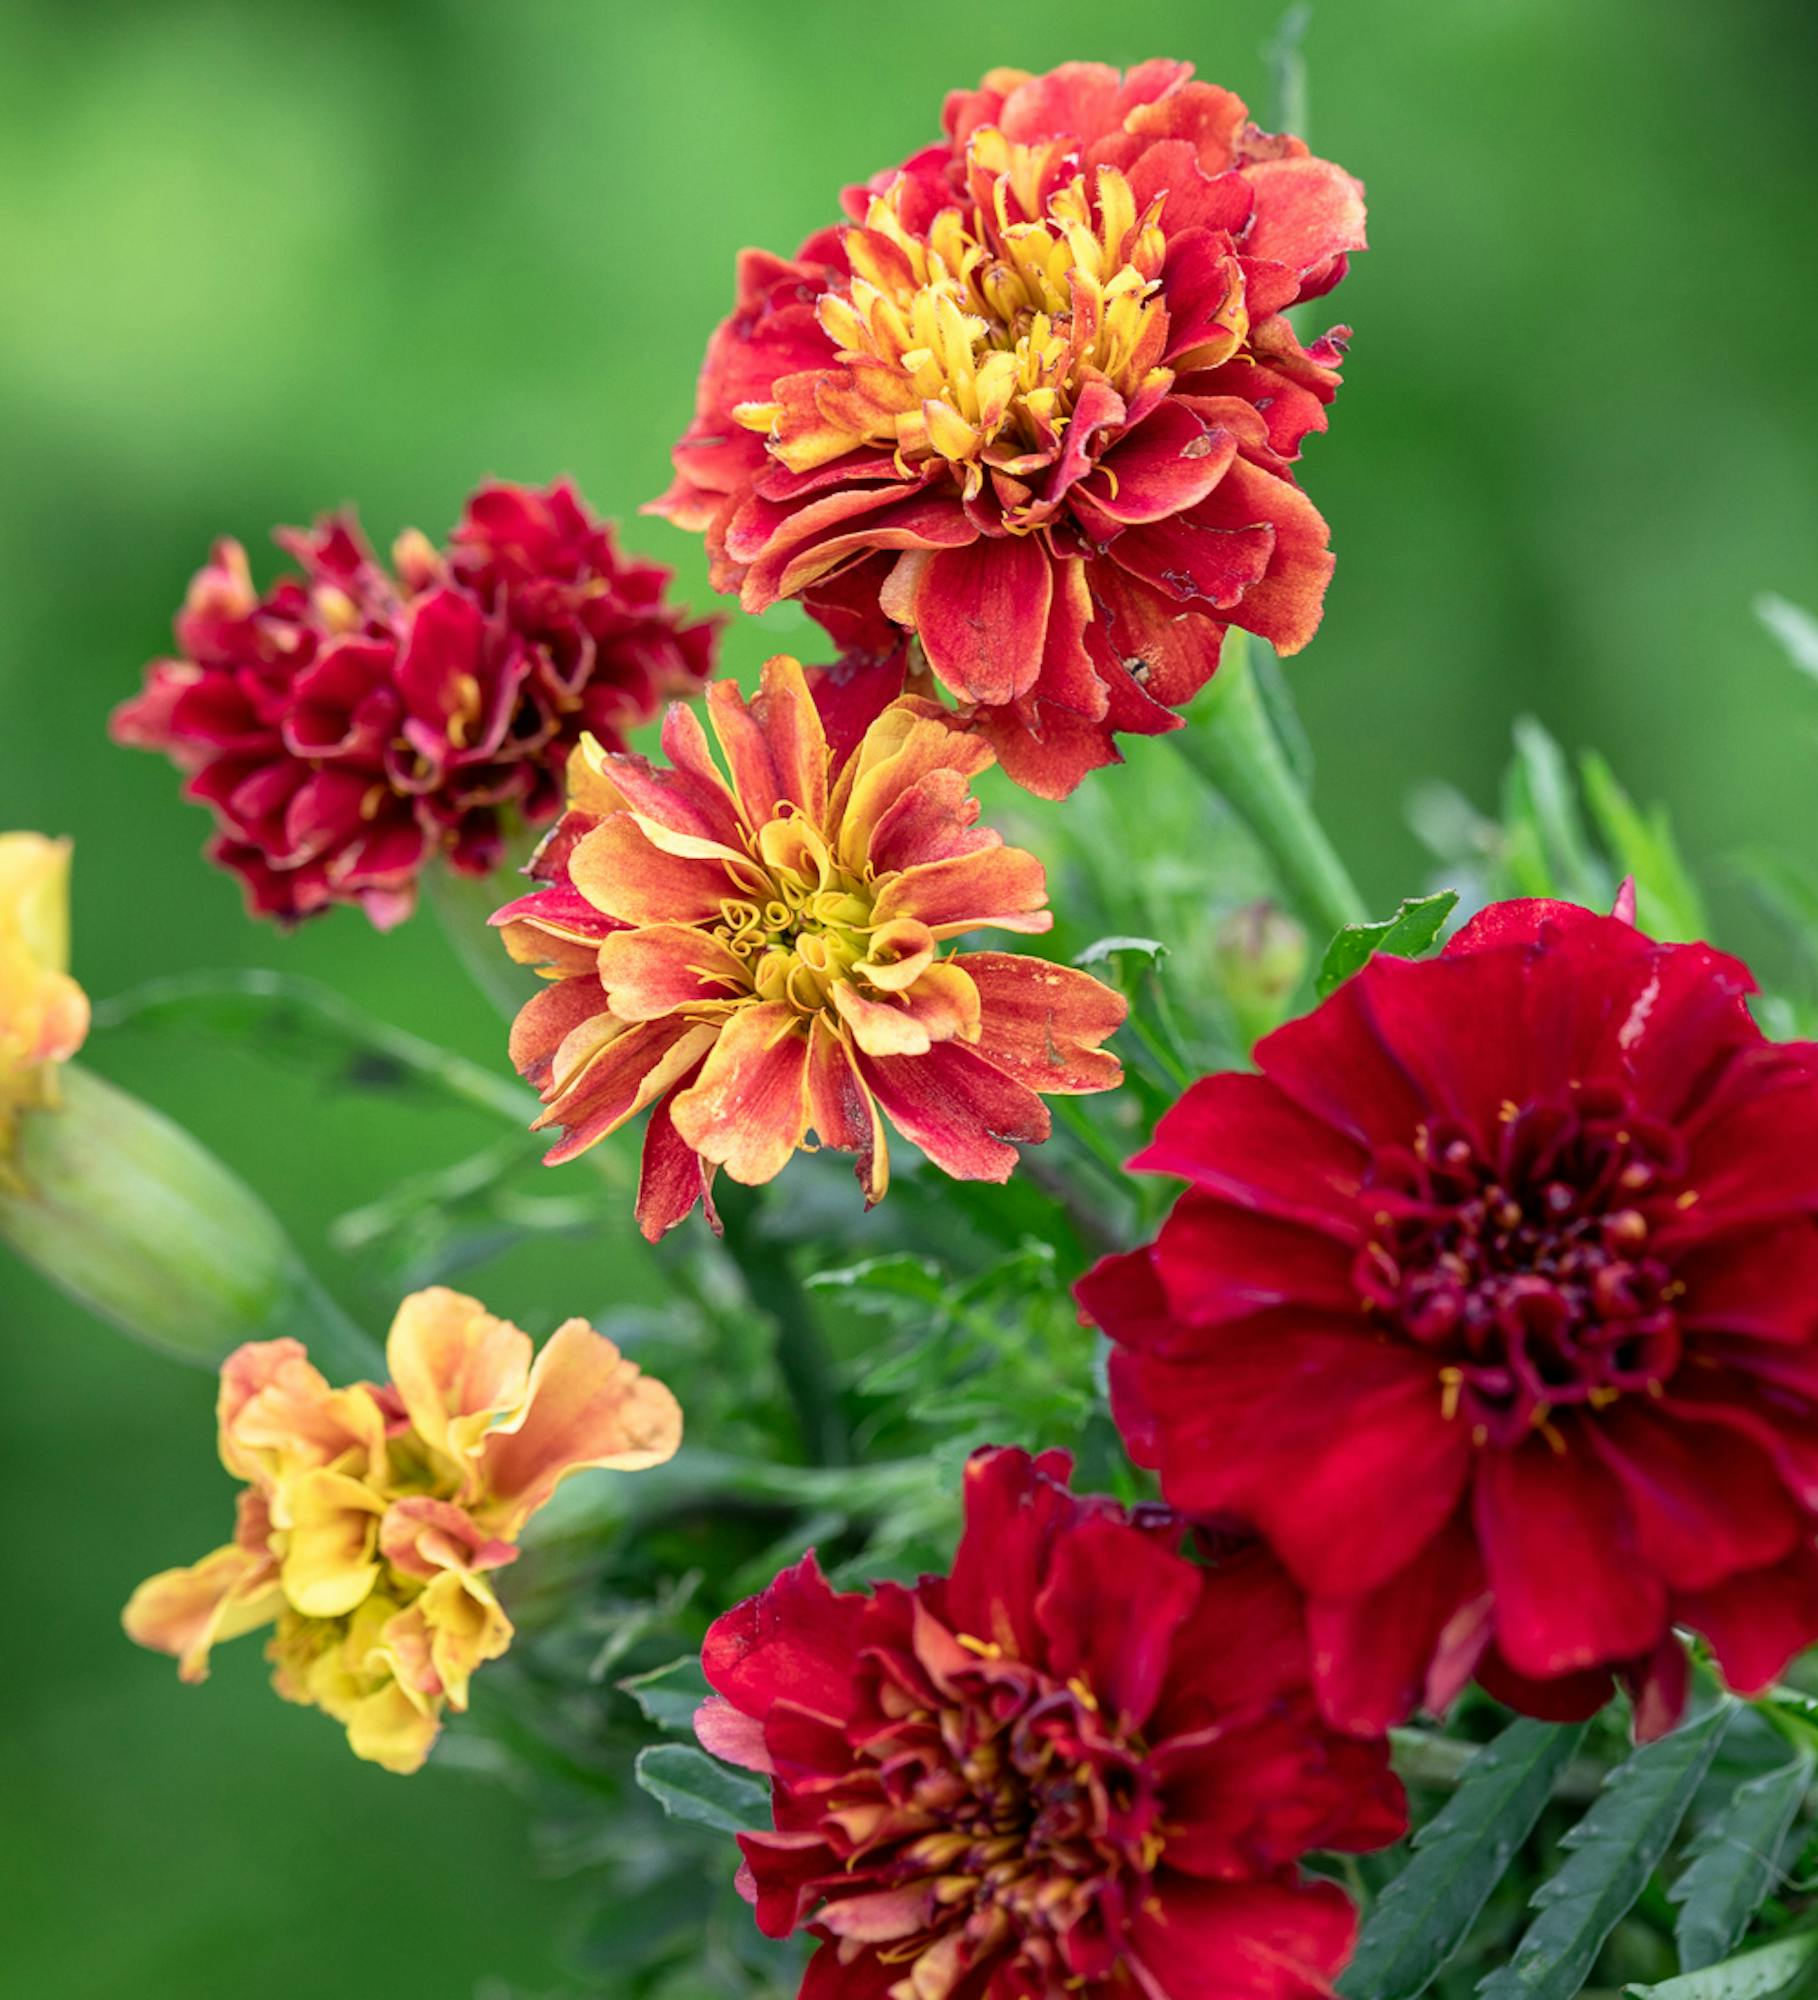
[[134, 1219], [1261, 955]]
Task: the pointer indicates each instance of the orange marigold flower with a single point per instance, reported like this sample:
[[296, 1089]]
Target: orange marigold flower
[[753, 957], [374, 1515], [43, 1012], [1036, 402]]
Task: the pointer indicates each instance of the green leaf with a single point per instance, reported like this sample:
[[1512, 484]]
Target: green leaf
[[1796, 629], [1408, 933], [1101, 950], [1424, 1915], [1546, 831], [1763, 1974], [1642, 845], [690, 1785], [670, 1695], [1732, 1865], [1612, 1852]]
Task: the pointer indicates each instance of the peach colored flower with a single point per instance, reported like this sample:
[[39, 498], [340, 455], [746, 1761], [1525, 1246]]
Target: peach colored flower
[[374, 1515], [756, 956]]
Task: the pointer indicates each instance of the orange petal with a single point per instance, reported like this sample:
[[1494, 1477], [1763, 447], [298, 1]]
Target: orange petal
[[621, 871], [899, 954], [843, 1112], [185, 1612], [907, 743], [942, 1006], [748, 1109], [776, 748], [664, 967], [957, 1108], [588, 1406], [1004, 887], [630, 1073], [1042, 1023], [454, 1365]]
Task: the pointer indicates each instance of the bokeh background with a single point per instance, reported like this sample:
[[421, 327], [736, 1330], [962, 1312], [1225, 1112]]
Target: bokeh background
[[259, 260]]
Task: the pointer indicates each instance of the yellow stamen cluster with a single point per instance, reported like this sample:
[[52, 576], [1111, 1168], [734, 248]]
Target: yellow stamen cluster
[[972, 343]]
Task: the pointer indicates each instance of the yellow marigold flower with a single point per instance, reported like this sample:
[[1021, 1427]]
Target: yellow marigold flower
[[43, 1012], [374, 1515]]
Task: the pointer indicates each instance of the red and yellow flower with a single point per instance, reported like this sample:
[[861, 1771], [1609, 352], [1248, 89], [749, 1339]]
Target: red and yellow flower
[[374, 1516], [43, 1012], [751, 956], [1077, 1764], [1492, 1302], [352, 725], [1036, 403]]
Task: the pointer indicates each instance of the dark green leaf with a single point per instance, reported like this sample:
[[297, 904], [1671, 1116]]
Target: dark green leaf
[[1408, 933], [1612, 1852], [690, 1785], [1732, 1865], [1762, 1974], [670, 1695], [1424, 1915]]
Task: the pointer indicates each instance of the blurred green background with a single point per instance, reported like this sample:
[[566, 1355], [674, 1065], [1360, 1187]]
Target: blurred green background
[[262, 260]]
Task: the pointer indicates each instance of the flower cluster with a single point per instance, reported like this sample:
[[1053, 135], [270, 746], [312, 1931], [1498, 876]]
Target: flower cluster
[[1079, 1763], [374, 1515], [1493, 1304], [752, 956], [351, 724], [43, 1012], [1036, 402]]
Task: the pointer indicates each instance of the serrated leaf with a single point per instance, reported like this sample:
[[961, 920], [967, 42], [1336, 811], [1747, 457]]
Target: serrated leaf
[[670, 1695], [1408, 933], [1795, 628], [690, 1785], [1101, 950], [1762, 1974], [1612, 1852], [1732, 1864], [1425, 1914]]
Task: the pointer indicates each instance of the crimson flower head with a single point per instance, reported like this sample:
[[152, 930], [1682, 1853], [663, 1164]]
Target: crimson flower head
[[1036, 402], [1080, 1764], [752, 954], [1493, 1304], [353, 724]]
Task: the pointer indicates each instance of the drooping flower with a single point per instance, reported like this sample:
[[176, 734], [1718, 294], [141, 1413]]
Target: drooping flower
[[43, 1012], [373, 1517], [350, 726], [1078, 1764], [752, 957], [1493, 1304], [1036, 402]]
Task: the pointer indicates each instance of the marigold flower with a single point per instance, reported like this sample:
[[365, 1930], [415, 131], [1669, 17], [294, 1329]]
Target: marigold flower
[[351, 725], [1493, 1304], [375, 1515], [1036, 402], [749, 958], [43, 1012], [1080, 1763]]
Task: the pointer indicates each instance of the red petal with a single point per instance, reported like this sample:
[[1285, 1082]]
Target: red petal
[[981, 613]]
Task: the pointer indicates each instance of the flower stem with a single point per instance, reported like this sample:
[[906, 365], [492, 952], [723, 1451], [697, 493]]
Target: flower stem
[[463, 905], [1232, 744], [803, 1357]]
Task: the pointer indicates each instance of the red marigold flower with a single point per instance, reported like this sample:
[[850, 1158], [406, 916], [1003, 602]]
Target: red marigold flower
[[1493, 1305], [757, 955], [1080, 1763], [1035, 403], [350, 725]]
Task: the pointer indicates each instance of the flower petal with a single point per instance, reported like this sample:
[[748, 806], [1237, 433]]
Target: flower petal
[[748, 1108]]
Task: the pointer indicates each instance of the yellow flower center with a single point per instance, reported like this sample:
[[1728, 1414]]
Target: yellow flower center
[[810, 931], [971, 344]]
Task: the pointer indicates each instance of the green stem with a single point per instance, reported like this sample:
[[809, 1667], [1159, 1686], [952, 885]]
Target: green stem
[[463, 905], [1232, 744], [1438, 1762], [803, 1358]]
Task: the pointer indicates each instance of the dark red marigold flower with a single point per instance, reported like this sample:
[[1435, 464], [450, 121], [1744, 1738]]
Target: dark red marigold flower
[[1493, 1305], [1080, 1764], [1035, 403], [351, 725]]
